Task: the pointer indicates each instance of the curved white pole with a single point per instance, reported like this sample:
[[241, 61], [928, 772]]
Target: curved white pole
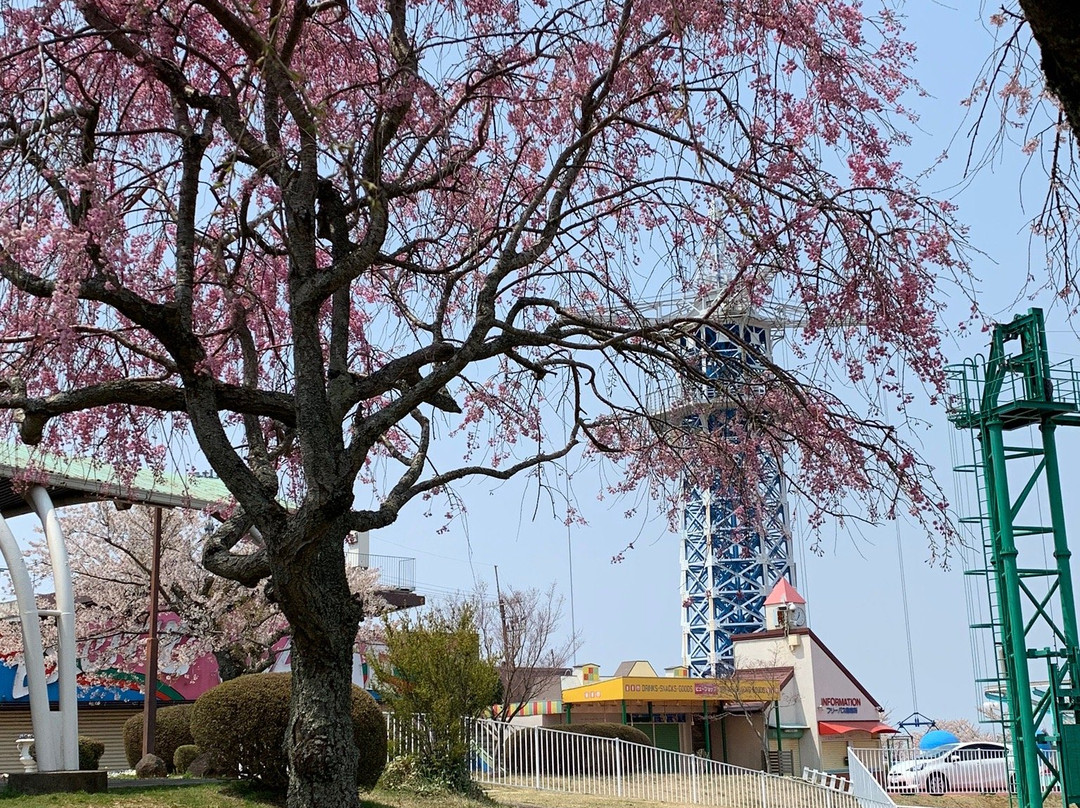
[[65, 606], [45, 739]]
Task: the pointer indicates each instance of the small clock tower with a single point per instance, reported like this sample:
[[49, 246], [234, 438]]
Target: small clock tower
[[785, 608]]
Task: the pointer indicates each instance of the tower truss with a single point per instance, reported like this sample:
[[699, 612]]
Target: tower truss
[[731, 557]]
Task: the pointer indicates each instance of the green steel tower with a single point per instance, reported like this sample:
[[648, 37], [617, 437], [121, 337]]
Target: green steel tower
[[1014, 393]]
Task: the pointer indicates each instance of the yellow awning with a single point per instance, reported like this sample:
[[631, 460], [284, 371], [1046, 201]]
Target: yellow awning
[[669, 688]]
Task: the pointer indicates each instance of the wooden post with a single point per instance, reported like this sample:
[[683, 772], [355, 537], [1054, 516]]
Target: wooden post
[[708, 733], [150, 680]]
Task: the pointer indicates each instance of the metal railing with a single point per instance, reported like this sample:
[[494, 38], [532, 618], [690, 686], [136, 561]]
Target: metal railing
[[827, 779], [967, 386], [403, 735], [555, 760], [395, 572], [864, 784]]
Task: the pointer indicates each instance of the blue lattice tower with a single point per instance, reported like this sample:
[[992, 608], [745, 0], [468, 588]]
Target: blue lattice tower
[[732, 556]]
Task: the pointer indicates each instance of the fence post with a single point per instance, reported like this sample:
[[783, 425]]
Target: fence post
[[693, 779], [537, 735], [499, 754], [618, 767], [764, 791]]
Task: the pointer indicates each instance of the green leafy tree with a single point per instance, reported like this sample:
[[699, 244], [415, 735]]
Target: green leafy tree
[[433, 676]]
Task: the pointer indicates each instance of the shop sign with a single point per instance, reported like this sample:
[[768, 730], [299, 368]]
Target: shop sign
[[833, 705]]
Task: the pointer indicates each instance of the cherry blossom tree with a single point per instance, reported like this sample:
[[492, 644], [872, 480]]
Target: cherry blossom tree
[[1028, 97], [110, 553], [1055, 26], [358, 252]]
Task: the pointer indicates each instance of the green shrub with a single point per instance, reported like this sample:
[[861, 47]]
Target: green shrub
[[243, 722], [412, 774], [564, 753], [183, 756], [90, 752], [172, 729]]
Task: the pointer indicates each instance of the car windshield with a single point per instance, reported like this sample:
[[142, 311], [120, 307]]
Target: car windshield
[[937, 751]]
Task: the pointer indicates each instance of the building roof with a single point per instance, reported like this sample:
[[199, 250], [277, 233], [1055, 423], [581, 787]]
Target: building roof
[[774, 633], [635, 667], [784, 592]]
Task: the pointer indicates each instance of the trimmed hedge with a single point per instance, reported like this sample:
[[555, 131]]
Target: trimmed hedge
[[183, 756], [564, 752], [90, 752], [172, 729], [243, 723]]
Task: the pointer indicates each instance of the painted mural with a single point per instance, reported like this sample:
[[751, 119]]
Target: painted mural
[[122, 680]]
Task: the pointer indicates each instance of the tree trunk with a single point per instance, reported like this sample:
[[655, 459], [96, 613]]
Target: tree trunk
[[322, 752], [1055, 25], [228, 666]]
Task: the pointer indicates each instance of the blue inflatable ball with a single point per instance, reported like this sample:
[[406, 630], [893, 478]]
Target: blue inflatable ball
[[935, 738]]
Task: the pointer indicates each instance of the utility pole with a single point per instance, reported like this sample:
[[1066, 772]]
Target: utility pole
[[505, 637], [151, 678]]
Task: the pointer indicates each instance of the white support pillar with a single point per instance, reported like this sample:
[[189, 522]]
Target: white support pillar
[[45, 724], [65, 619]]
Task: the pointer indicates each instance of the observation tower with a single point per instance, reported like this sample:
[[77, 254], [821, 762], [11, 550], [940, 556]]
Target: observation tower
[[733, 552], [730, 561]]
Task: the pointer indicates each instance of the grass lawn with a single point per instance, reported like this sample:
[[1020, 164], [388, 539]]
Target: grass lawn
[[215, 796]]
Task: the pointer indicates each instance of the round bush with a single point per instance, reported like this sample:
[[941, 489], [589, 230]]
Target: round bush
[[564, 752], [183, 756], [90, 752], [172, 729], [243, 722]]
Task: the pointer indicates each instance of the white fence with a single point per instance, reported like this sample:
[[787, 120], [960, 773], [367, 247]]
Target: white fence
[[975, 769], [865, 785], [404, 735], [555, 760], [827, 779]]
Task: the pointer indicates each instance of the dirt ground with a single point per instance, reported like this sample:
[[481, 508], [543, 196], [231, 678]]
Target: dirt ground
[[962, 801]]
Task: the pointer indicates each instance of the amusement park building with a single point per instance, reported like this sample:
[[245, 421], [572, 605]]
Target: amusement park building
[[788, 695]]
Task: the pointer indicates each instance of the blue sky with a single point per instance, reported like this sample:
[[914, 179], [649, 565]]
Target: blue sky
[[631, 610]]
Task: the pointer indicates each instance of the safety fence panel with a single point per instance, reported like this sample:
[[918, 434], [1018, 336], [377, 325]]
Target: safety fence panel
[[864, 786], [404, 736], [555, 760]]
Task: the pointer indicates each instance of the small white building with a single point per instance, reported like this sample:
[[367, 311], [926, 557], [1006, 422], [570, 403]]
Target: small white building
[[823, 708]]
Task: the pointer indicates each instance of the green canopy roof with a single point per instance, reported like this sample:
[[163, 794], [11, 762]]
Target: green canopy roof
[[73, 480]]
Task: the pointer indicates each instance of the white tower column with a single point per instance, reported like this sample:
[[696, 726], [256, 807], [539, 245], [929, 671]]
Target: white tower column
[[65, 620]]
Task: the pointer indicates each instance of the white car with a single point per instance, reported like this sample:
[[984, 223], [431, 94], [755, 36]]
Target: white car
[[977, 766]]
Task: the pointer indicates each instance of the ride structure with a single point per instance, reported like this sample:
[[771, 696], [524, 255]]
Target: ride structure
[[732, 555], [1012, 402]]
